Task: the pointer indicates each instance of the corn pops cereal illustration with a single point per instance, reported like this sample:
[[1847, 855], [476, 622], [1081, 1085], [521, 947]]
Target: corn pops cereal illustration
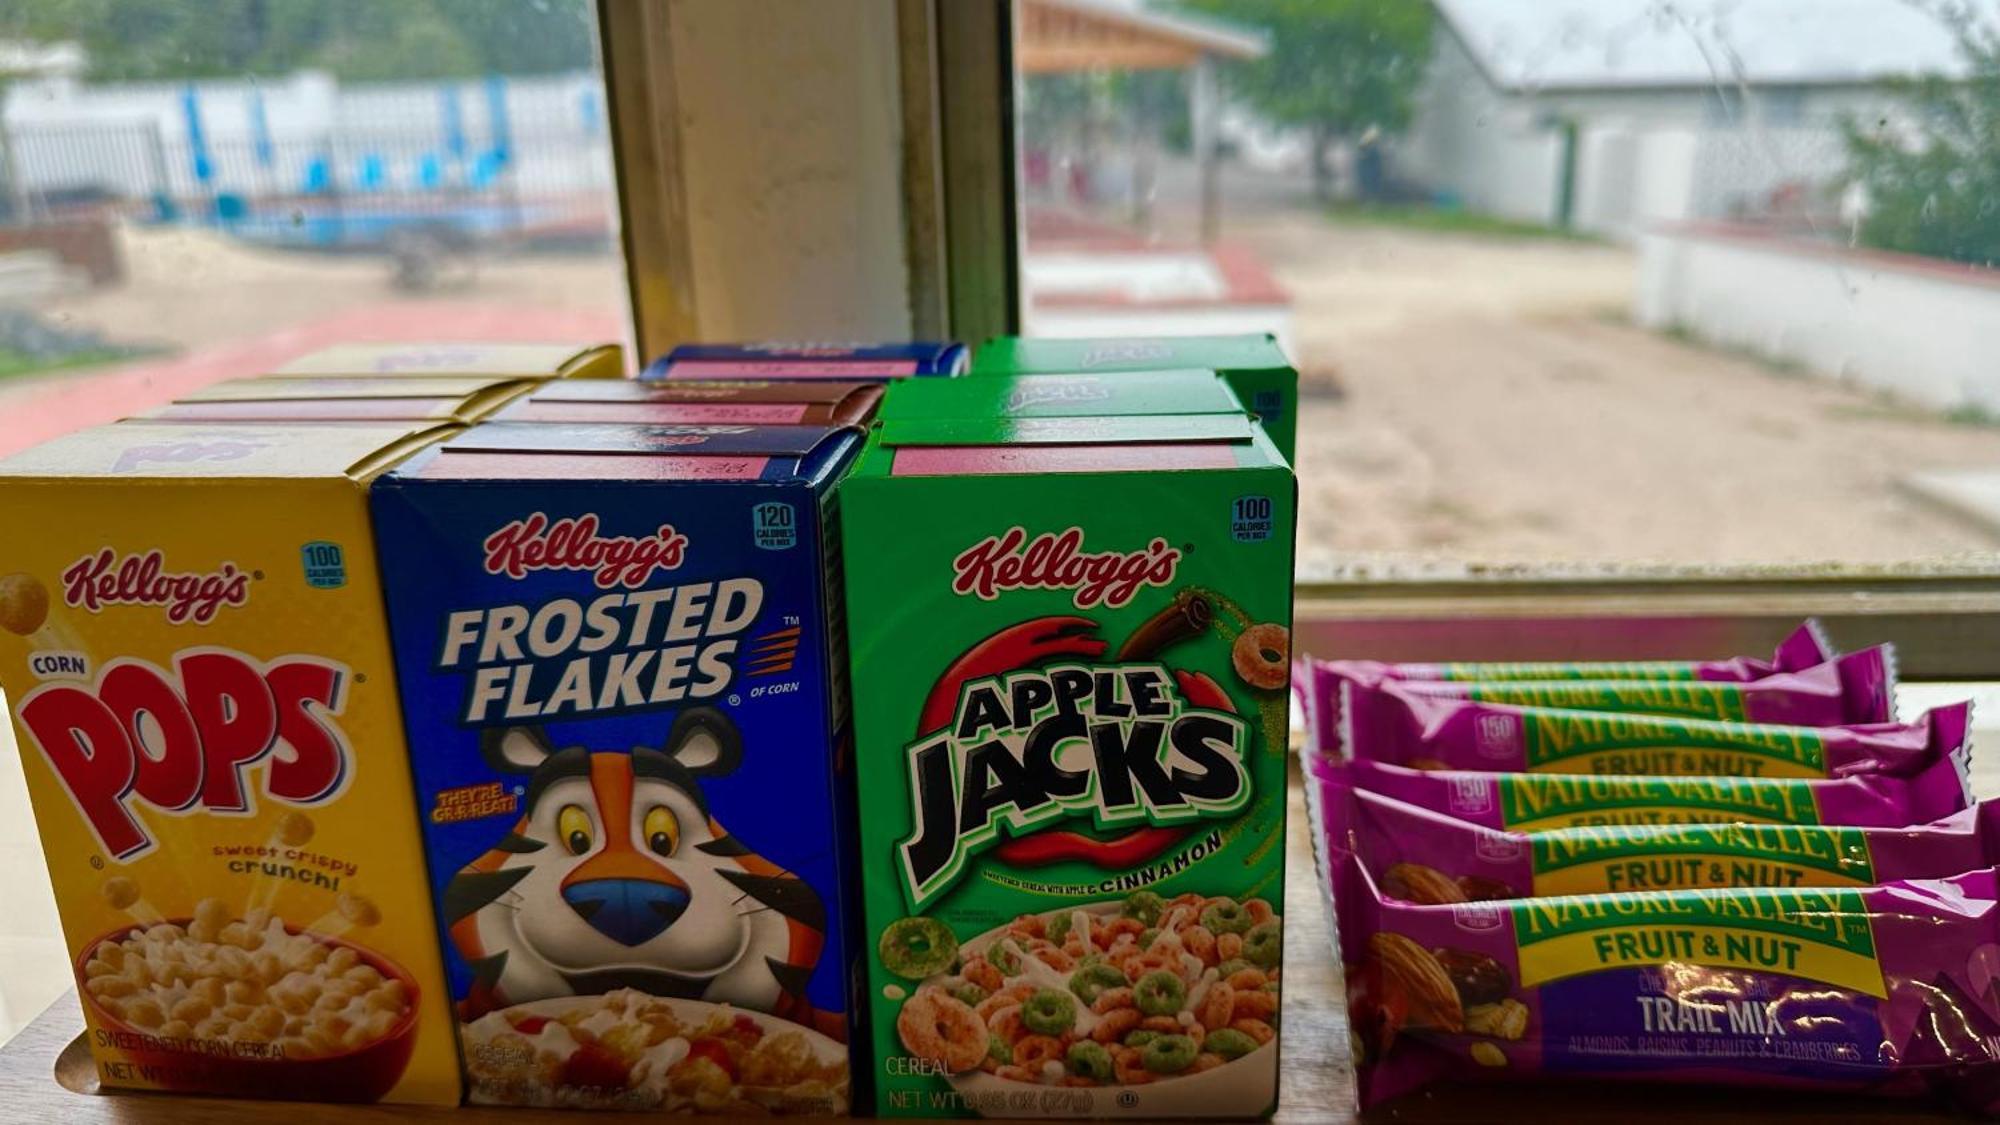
[[195, 652]]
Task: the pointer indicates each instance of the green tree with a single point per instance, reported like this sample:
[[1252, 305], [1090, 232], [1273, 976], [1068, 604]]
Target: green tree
[[1344, 70], [165, 40], [1933, 185]]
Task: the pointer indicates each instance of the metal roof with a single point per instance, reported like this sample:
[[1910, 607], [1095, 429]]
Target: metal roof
[[1530, 45]]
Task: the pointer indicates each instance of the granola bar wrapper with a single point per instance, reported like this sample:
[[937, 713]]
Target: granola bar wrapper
[[1885, 989], [1317, 682], [1535, 802], [1856, 688], [1417, 855], [1388, 724]]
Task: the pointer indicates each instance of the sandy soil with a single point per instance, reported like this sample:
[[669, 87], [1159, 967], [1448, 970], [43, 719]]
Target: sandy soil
[[1474, 398], [191, 288]]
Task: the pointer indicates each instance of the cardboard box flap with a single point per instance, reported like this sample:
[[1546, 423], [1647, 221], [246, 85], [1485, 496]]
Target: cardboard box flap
[[141, 450], [700, 391], [920, 350], [388, 409], [795, 442], [1174, 429], [267, 389], [1021, 355], [537, 361], [1082, 394]]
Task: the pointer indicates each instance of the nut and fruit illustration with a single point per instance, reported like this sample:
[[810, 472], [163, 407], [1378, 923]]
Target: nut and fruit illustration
[[1424, 886], [1478, 979], [1432, 997]]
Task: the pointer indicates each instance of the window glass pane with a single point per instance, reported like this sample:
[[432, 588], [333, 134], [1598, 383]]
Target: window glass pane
[[193, 190], [1703, 284]]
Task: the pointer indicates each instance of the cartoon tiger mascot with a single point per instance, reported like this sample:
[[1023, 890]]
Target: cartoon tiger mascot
[[617, 877]]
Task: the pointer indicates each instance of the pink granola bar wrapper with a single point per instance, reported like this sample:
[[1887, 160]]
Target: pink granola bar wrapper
[[1534, 802], [1847, 690], [1317, 682], [1389, 724], [1417, 855], [1886, 990]]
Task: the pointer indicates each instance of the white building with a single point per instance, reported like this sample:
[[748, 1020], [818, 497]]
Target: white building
[[1611, 115]]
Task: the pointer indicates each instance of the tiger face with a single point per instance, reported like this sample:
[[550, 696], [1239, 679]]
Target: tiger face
[[616, 875]]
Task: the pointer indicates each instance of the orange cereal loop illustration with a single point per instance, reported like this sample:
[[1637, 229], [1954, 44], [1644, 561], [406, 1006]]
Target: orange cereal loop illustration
[[24, 604], [1262, 655]]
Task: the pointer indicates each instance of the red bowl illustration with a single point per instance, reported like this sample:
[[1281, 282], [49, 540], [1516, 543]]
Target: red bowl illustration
[[364, 1074]]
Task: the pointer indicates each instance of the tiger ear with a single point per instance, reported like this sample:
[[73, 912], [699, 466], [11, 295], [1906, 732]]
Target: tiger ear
[[705, 742], [515, 749]]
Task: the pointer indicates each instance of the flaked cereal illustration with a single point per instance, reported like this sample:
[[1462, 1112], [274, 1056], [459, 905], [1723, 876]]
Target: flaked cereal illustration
[[198, 665], [618, 651], [1072, 764]]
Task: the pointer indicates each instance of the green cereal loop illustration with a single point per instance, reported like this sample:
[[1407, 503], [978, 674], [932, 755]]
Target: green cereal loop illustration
[[1048, 1012], [1140, 1038], [1229, 1043], [1148, 936], [998, 1049], [1159, 994], [1169, 1054], [1087, 1059], [1003, 956], [1057, 927], [969, 994], [917, 948], [1264, 945], [1231, 967], [1090, 981], [1226, 916], [1145, 906]]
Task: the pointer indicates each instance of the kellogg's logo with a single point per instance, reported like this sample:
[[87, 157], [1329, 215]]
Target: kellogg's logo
[[1058, 562], [182, 740], [1121, 352], [1048, 389], [535, 543], [139, 456], [102, 578]]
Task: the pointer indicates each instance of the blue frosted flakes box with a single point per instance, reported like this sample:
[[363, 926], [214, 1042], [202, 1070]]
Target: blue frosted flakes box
[[620, 650], [789, 361]]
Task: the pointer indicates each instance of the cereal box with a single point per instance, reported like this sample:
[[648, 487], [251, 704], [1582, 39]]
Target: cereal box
[[620, 648], [537, 361], [808, 361], [350, 399], [192, 638], [1253, 364], [699, 402], [1070, 752]]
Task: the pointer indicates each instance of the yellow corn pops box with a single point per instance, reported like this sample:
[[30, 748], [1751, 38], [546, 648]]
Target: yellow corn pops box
[[536, 361], [193, 646]]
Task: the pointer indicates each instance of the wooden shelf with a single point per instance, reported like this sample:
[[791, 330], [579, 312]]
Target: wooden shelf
[[46, 1074]]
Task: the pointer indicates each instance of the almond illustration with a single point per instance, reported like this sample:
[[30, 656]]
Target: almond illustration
[[1425, 886], [1433, 999]]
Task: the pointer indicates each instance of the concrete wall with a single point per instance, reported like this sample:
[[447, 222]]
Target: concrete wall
[[1919, 328], [1644, 157]]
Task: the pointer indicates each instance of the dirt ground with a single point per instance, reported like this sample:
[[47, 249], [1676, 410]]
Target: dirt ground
[[1473, 398], [187, 288]]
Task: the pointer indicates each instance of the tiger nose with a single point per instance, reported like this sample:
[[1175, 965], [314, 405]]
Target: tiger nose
[[628, 911]]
